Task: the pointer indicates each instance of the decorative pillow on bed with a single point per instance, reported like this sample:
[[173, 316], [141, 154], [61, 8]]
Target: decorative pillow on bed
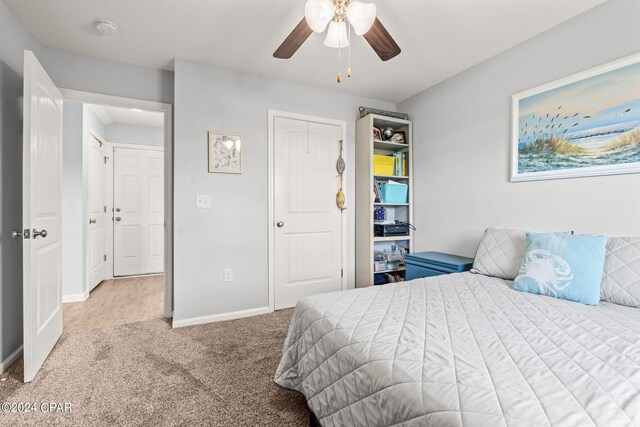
[[500, 253], [621, 279], [563, 266]]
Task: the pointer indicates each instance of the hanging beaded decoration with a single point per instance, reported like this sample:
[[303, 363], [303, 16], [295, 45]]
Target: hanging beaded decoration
[[340, 167]]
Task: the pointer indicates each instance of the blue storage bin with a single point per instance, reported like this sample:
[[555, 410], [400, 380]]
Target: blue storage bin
[[394, 193], [427, 264]]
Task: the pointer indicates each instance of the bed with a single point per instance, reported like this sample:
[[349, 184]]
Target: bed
[[462, 349]]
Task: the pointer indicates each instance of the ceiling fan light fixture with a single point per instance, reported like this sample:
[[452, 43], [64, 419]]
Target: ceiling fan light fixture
[[337, 36], [361, 16], [318, 13]]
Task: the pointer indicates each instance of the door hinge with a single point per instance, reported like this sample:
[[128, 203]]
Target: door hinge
[[342, 272], [106, 158], [105, 257], [105, 209]]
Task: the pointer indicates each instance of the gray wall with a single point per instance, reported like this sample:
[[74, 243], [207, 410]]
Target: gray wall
[[462, 133], [91, 121], [13, 40], [72, 204], [132, 134], [234, 232], [78, 119], [73, 71]]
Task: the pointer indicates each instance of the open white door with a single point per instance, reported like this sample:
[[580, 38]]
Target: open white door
[[42, 215], [97, 235]]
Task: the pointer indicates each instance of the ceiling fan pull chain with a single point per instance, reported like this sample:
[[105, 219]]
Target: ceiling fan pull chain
[[349, 61], [339, 56]]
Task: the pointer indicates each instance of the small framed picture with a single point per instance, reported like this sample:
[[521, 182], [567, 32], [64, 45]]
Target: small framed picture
[[399, 136], [377, 135], [225, 153]]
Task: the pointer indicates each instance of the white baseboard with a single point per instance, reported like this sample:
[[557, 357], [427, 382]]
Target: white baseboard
[[75, 297], [220, 317], [4, 365]]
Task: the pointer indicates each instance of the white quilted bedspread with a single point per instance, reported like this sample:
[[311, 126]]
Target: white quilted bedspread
[[462, 349]]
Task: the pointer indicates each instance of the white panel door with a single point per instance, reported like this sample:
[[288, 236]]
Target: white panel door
[[42, 215], [138, 199], [308, 224], [97, 230]]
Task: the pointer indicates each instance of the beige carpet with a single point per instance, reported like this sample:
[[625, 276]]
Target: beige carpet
[[146, 374], [117, 302]]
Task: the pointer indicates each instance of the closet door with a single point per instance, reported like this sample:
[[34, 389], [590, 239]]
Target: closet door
[[308, 224]]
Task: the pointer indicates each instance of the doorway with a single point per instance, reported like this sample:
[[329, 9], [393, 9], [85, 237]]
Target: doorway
[[43, 211], [123, 223], [307, 229]]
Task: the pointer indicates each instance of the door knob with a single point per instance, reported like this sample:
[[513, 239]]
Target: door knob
[[26, 234], [37, 233], [118, 218], [280, 224], [117, 209], [92, 221]]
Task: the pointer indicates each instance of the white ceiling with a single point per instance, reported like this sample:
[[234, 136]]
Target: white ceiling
[[439, 38], [109, 115]]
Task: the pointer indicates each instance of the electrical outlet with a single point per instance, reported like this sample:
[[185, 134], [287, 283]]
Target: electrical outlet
[[228, 275], [203, 201]]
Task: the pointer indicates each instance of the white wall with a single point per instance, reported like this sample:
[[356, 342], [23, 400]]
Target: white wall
[[462, 142], [234, 233], [125, 133]]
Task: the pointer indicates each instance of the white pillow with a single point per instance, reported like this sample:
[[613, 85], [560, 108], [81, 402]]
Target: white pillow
[[500, 253], [621, 278]]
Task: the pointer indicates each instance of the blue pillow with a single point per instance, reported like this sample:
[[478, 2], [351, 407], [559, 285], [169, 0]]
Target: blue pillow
[[563, 266]]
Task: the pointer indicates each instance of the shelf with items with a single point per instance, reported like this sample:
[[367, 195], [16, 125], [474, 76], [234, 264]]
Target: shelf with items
[[389, 146], [390, 191], [390, 164], [391, 238], [396, 270], [392, 177], [383, 183], [389, 261]]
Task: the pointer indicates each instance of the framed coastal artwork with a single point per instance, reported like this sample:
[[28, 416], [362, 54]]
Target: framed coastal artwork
[[587, 124], [225, 153]]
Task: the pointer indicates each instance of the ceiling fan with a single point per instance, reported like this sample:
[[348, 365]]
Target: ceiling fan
[[335, 13]]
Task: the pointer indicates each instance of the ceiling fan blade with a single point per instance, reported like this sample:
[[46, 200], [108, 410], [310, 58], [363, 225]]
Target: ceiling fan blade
[[381, 41], [294, 40]]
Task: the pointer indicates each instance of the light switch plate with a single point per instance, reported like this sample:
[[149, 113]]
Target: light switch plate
[[228, 275], [203, 201]]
